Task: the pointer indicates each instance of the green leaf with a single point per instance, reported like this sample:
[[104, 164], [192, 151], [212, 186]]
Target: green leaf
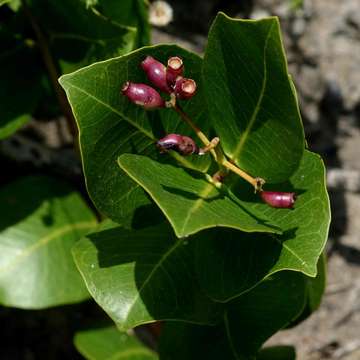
[[140, 276], [179, 341], [258, 314], [14, 5], [131, 13], [252, 103], [72, 41], [248, 323], [41, 219], [277, 353], [20, 86], [189, 201], [110, 125], [230, 262], [107, 343], [315, 288], [305, 228], [12, 125]]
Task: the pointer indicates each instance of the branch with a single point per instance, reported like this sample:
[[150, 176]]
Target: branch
[[216, 152], [52, 70]]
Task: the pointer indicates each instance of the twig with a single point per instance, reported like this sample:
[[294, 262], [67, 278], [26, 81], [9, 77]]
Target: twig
[[52, 70], [217, 153]]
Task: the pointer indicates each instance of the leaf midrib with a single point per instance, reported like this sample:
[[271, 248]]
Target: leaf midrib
[[179, 159], [197, 205], [253, 117], [108, 106], [151, 274], [45, 240]]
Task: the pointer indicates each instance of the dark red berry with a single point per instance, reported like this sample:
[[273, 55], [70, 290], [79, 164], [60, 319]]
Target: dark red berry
[[175, 68], [143, 95], [278, 199], [184, 145], [156, 73], [184, 88]]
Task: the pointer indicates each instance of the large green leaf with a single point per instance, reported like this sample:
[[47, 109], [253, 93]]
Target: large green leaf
[[181, 341], [315, 288], [105, 343], [258, 314], [131, 13], [305, 227], [252, 102], [230, 262], [189, 201], [3, 2], [140, 276], [110, 125], [41, 219], [248, 322], [83, 37]]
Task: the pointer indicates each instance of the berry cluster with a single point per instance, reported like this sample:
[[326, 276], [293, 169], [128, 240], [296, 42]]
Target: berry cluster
[[167, 79]]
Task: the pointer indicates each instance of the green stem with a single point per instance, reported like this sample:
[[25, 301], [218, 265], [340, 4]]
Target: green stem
[[217, 152]]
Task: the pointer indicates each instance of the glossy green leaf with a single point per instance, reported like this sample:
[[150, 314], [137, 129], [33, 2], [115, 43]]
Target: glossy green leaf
[[41, 219], [73, 41], [189, 201], [139, 276], [315, 288], [248, 323], [258, 314], [231, 262], [131, 13], [105, 343], [305, 227], [110, 125], [252, 103], [179, 341]]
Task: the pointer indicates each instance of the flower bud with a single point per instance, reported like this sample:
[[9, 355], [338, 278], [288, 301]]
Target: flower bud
[[156, 73], [143, 95], [278, 199], [184, 145], [175, 68], [184, 88]]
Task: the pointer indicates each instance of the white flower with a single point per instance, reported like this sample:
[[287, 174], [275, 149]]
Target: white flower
[[160, 13]]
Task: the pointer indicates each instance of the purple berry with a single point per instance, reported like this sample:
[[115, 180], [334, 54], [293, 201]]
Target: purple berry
[[184, 88], [184, 145], [156, 73], [143, 95], [278, 199], [175, 68]]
